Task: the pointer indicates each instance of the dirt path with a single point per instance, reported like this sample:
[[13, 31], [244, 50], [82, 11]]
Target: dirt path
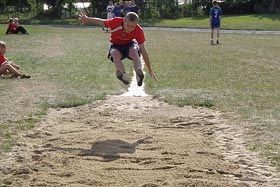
[[134, 142]]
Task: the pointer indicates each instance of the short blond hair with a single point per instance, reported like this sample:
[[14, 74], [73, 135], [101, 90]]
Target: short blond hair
[[132, 16], [2, 44]]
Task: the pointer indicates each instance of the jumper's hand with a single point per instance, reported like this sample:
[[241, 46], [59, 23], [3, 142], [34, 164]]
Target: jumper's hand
[[152, 74], [83, 17]]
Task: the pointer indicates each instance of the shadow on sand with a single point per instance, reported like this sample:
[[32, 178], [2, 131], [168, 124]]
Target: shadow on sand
[[109, 150]]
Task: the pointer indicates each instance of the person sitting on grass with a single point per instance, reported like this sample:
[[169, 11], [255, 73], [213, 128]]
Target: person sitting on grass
[[15, 28], [6, 67], [127, 41], [11, 28]]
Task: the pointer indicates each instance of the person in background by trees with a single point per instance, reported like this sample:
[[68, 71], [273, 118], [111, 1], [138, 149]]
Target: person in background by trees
[[19, 28], [215, 20], [15, 28], [117, 10], [11, 29], [109, 10], [110, 14], [126, 8], [121, 4], [134, 8]]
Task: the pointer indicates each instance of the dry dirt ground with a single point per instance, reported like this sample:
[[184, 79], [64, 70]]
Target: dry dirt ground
[[128, 141]]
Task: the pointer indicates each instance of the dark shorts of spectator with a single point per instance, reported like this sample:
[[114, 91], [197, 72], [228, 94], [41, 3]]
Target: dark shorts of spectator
[[124, 50], [215, 25]]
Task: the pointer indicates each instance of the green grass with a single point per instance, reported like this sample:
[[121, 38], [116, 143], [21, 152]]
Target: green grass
[[240, 76], [239, 22], [9, 131], [69, 68]]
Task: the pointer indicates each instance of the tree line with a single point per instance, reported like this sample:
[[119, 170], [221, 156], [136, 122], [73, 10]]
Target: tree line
[[169, 9]]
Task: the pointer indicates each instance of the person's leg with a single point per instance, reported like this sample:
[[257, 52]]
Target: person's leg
[[116, 57], [212, 35], [7, 67], [134, 54], [218, 35], [21, 29], [15, 66], [3, 70], [16, 31]]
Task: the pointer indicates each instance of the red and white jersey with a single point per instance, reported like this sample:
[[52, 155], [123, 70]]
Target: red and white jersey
[[119, 36], [3, 60]]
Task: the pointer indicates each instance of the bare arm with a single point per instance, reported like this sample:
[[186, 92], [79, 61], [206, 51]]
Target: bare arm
[[147, 61], [85, 19], [210, 20]]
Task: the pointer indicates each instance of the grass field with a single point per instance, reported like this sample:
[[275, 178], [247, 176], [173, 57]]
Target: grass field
[[69, 68], [239, 22]]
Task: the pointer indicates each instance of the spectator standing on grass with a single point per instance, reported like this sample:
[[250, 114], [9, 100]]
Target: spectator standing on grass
[[7, 67], [109, 10], [126, 8], [110, 14], [215, 20], [121, 4], [127, 41], [117, 10], [134, 8]]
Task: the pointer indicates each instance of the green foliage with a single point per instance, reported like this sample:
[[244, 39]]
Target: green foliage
[[163, 9], [187, 10], [154, 13], [167, 8]]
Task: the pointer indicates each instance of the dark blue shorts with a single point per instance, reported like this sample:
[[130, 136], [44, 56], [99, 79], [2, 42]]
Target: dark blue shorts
[[215, 25], [124, 50]]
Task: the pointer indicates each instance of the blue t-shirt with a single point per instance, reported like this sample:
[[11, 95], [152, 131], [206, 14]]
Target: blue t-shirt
[[126, 10], [215, 12], [117, 11], [134, 9]]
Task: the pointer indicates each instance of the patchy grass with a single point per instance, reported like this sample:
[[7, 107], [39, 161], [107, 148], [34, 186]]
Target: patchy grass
[[230, 77], [239, 22], [69, 68], [10, 130]]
